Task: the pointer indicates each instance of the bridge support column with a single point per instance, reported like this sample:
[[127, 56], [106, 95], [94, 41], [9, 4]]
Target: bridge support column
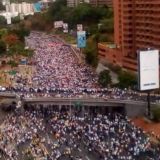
[[59, 107], [70, 110], [83, 111]]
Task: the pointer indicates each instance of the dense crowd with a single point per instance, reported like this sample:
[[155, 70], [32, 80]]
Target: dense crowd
[[58, 73], [49, 134]]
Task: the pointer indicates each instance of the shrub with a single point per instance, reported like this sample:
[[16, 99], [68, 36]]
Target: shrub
[[104, 78], [13, 63], [126, 80], [156, 114]]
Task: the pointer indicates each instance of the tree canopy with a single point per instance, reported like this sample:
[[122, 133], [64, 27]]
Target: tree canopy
[[3, 21], [83, 13], [2, 7], [2, 47], [104, 78], [127, 79]]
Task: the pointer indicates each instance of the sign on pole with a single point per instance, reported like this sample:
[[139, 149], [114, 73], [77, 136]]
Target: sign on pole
[[37, 7], [148, 69], [79, 27], [58, 24], [65, 27], [81, 39]]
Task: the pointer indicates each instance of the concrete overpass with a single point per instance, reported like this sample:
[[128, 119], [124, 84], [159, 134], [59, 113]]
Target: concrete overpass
[[72, 101], [130, 107]]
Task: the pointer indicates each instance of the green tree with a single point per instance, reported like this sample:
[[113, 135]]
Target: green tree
[[127, 80], [156, 113], [2, 7], [16, 19], [21, 32], [16, 49], [3, 21], [55, 9], [91, 52], [84, 13], [2, 47], [3, 32], [13, 63], [104, 78], [107, 25]]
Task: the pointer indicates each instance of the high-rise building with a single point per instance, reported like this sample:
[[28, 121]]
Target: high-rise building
[[136, 27], [97, 3], [74, 3]]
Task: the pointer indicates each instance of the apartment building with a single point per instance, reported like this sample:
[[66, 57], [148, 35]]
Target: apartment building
[[74, 3], [136, 27], [97, 3]]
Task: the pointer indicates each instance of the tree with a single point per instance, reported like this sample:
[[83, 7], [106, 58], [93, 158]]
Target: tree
[[2, 47], [3, 21], [3, 32], [156, 113], [39, 22], [11, 39], [21, 32], [2, 7], [91, 52], [104, 78], [83, 13], [107, 25], [55, 9], [16, 19], [126, 80], [16, 49]]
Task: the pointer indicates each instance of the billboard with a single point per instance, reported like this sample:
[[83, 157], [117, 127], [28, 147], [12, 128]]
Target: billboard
[[58, 24], [37, 7], [81, 39], [65, 27], [79, 27], [148, 67]]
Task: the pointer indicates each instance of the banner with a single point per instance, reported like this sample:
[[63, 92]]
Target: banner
[[37, 7], [79, 27], [58, 24], [81, 39], [65, 27]]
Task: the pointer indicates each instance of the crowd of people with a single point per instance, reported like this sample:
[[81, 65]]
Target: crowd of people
[[49, 134], [58, 73]]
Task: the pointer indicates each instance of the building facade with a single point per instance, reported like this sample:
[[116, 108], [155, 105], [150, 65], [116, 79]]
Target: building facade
[[97, 3], [74, 3], [136, 27], [20, 8]]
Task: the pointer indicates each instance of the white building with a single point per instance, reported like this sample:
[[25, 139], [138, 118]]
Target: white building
[[5, 2], [21, 8], [15, 9]]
